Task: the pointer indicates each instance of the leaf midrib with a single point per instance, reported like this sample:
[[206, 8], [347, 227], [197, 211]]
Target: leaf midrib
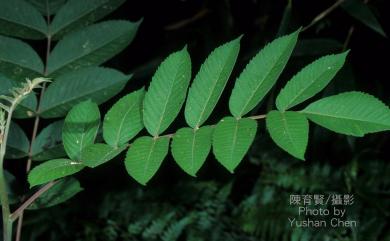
[[121, 124], [68, 23], [58, 69], [157, 131], [77, 97], [30, 27], [68, 163], [234, 140], [263, 80], [20, 65], [290, 139], [291, 103], [342, 118], [151, 150], [218, 79], [193, 151]]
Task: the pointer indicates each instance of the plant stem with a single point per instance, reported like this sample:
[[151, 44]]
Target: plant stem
[[20, 210], [7, 224], [323, 14]]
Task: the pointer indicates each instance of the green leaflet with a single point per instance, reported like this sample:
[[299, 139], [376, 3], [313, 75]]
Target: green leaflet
[[96, 83], [48, 144], [361, 12], [97, 154], [17, 143], [18, 60], [20, 19], [52, 170], [350, 113], [62, 191], [309, 81], [92, 45], [167, 92], [209, 83], [77, 14], [261, 74], [190, 148], [145, 156], [80, 128], [232, 139], [290, 131], [44, 5], [124, 120]]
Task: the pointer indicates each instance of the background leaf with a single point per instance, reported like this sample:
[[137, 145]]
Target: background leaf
[[261, 74], [52, 170], [167, 92], [232, 139], [124, 120], [61, 192], [97, 154], [290, 131], [48, 144], [145, 156], [190, 148], [17, 143], [43, 5], [95, 83], [76, 14], [18, 60], [209, 83], [92, 45], [20, 19], [80, 128], [309, 81], [351, 113], [361, 12]]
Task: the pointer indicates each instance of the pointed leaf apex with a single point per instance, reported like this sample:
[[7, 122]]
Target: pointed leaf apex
[[239, 38]]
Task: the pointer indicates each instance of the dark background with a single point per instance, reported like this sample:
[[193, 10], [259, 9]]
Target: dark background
[[169, 25]]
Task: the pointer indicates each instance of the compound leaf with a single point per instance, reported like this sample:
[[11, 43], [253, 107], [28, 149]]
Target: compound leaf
[[309, 81], [92, 45], [52, 170], [18, 60], [350, 113], [124, 120], [167, 92], [209, 83], [97, 154], [20, 19], [80, 128], [190, 148], [232, 139], [95, 83], [145, 156], [290, 131], [261, 74], [76, 14]]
